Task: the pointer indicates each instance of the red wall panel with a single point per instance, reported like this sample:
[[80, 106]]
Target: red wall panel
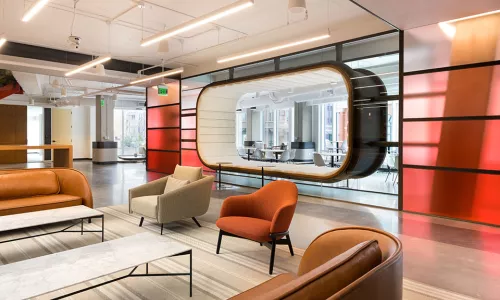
[[190, 158], [426, 95], [163, 162], [449, 194], [165, 116], [189, 122], [163, 139], [188, 145], [173, 95], [188, 134], [475, 144]]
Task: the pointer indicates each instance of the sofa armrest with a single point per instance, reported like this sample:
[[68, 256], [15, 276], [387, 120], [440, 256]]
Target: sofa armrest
[[73, 182], [237, 206], [155, 187], [189, 201]]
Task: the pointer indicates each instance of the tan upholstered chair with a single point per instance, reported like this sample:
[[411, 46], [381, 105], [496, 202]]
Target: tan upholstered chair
[[190, 201], [350, 263]]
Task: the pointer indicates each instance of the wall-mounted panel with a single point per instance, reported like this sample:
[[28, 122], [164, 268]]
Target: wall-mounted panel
[[164, 116], [474, 143], [189, 134], [172, 97], [449, 194], [189, 122], [13, 131], [163, 162], [163, 139], [430, 95], [188, 145]]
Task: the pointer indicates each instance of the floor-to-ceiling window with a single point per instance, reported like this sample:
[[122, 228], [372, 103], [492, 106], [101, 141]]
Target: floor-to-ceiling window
[[284, 125], [130, 130], [241, 128], [269, 127]]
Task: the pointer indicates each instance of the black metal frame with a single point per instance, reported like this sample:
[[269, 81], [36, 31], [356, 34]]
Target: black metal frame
[[147, 274], [276, 239], [63, 230]]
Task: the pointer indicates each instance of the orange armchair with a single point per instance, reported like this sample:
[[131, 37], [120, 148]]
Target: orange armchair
[[263, 216]]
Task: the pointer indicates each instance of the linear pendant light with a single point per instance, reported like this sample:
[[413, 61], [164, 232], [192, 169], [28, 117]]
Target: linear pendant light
[[274, 48], [2, 41], [208, 18], [89, 65], [35, 8], [158, 75]]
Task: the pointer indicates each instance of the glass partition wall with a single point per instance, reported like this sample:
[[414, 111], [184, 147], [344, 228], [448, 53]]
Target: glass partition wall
[[274, 126]]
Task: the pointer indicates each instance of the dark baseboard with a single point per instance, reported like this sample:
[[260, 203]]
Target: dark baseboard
[[77, 159], [104, 162]]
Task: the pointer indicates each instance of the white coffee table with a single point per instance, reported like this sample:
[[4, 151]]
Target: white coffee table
[[51, 216], [45, 274]]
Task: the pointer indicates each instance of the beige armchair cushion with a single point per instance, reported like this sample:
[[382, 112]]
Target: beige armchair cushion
[[188, 173], [146, 206], [174, 184]]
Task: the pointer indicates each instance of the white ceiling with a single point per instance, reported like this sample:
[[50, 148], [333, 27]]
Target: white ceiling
[[407, 14], [262, 25]]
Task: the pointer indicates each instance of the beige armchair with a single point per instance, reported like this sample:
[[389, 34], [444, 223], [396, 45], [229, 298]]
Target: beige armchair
[[190, 201]]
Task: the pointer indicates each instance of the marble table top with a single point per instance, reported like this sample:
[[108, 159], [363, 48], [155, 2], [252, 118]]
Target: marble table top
[[45, 274], [44, 217]]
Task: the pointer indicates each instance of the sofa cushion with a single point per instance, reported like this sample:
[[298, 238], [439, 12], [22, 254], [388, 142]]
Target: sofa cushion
[[332, 276], [22, 205], [146, 206], [174, 184], [27, 184], [188, 173], [250, 228]]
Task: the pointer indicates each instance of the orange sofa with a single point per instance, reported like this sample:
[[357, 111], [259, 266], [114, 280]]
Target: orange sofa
[[263, 216], [30, 190], [349, 263]]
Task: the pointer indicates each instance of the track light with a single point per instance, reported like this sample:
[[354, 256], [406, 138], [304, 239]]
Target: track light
[[272, 49], [89, 65], [35, 8], [297, 6], [158, 75], [450, 30], [197, 22], [2, 41]]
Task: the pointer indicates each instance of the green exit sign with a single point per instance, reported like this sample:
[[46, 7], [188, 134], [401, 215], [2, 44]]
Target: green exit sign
[[102, 102], [163, 91]]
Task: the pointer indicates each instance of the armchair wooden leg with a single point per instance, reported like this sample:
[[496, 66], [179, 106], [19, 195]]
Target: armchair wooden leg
[[289, 242], [196, 221], [161, 232], [219, 242], [273, 250], [140, 223]]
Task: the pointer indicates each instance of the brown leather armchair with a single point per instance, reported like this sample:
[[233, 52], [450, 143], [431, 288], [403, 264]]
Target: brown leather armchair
[[28, 190], [263, 216], [350, 263]]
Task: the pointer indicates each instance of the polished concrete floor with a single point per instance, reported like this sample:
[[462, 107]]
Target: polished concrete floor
[[450, 255]]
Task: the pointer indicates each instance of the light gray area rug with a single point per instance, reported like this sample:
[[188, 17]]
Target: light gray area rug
[[241, 264]]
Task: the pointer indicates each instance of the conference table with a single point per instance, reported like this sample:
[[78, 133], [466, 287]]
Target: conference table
[[249, 150], [276, 152], [63, 154], [331, 154]]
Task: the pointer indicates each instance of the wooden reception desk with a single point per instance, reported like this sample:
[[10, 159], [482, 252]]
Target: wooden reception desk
[[63, 154]]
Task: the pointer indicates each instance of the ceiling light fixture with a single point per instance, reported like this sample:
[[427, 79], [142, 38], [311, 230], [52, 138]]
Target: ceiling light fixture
[[89, 65], [2, 41], [272, 49], [473, 16], [35, 8], [159, 75], [205, 19], [297, 6]]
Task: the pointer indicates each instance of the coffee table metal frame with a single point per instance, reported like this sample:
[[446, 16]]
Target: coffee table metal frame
[[62, 230], [147, 274]]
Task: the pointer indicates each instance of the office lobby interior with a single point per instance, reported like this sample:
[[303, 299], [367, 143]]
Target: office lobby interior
[[249, 149]]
